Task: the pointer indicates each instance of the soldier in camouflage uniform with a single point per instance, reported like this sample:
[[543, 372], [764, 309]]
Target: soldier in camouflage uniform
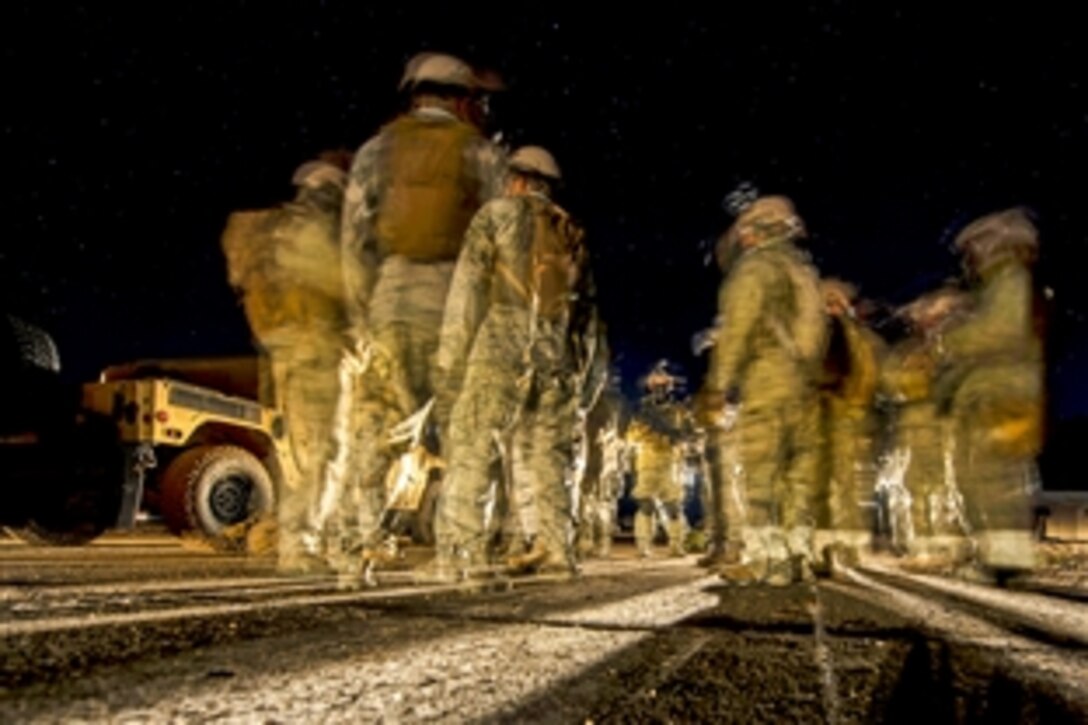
[[929, 531], [601, 503], [990, 382], [594, 523], [519, 306], [772, 333], [287, 263], [847, 398], [657, 433], [411, 192]]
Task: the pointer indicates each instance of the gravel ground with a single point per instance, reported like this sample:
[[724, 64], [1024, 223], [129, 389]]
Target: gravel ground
[[155, 633]]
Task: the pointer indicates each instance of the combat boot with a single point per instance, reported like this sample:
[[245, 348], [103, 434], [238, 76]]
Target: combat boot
[[528, 561]]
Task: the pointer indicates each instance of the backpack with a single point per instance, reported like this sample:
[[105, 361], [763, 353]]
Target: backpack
[[556, 260]]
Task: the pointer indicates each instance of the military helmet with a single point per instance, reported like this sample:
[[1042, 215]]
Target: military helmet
[[998, 235], [317, 173], [446, 70], [838, 293], [535, 160], [770, 217]]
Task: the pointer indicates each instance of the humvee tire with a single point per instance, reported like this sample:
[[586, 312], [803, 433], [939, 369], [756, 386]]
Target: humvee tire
[[211, 490]]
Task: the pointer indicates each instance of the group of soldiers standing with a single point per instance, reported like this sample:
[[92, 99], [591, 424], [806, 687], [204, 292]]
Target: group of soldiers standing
[[431, 279], [821, 435]]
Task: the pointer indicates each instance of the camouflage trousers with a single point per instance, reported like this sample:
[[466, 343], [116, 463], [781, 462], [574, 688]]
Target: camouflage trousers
[[779, 453], [844, 504], [920, 432], [493, 408], [372, 401], [723, 492], [660, 497], [597, 515], [404, 321], [306, 389]]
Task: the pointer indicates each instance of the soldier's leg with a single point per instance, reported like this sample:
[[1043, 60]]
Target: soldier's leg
[[291, 511], [528, 550], [804, 436], [675, 527], [356, 516], [551, 456], [644, 526], [605, 511], [766, 554], [730, 497], [306, 387], [850, 535], [484, 407]]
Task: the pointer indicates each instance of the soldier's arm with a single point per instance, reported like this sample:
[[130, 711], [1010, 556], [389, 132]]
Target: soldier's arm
[[1000, 320], [358, 243], [740, 304]]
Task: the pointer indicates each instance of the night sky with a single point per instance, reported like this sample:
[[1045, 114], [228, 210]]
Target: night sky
[[128, 139]]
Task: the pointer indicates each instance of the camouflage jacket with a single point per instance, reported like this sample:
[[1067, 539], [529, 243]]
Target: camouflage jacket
[[997, 339], [755, 299], [476, 327]]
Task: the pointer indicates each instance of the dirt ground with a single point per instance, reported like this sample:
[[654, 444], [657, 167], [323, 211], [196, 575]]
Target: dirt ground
[[143, 630]]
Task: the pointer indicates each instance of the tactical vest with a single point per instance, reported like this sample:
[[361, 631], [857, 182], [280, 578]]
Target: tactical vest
[[545, 277], [430, 196]]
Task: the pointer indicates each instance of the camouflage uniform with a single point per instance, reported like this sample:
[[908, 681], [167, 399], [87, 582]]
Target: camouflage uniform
[[607, 487], [411, 192], [758, 363], [849, 426], [920, 433], [656, 434], [594, 521], [513, 368], [723, 490], [294, 304], [991, 383]]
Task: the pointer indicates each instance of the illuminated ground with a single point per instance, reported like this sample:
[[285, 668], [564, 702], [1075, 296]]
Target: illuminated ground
[[140, 629]]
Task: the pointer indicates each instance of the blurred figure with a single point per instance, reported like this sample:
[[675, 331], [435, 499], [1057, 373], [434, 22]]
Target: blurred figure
[[990, 384], [847, 396], [771, 340], [286, 262], [603, 500], [656, 433], [411, 192], [517, 319], [924, 503], [596, 493]]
